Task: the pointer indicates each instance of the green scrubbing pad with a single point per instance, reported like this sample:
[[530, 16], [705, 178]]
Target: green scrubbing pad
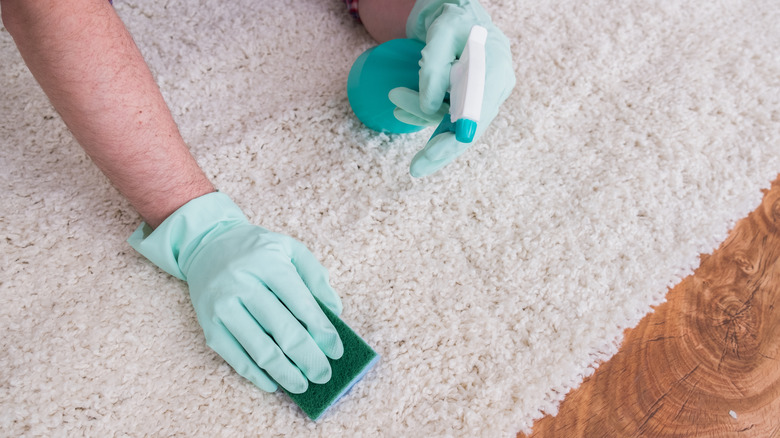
[[358, 358]]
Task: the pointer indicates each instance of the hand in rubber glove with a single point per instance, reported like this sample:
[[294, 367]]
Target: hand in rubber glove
[[253, 291], [444, 26]]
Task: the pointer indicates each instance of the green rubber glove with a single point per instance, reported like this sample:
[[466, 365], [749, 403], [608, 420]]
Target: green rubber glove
[[253, 291], [407, 102], [444, 26]]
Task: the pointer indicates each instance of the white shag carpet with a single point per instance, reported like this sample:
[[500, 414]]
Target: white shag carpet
[[638, 133]]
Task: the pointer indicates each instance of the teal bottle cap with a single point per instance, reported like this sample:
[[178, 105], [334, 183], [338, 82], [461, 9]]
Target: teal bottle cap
[[465, 130]]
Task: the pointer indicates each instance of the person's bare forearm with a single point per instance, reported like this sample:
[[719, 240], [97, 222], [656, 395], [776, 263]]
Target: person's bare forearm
[[91, 70], [385, 19]]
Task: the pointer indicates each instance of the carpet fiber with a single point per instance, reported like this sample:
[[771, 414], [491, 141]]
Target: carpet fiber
[[638, 133]]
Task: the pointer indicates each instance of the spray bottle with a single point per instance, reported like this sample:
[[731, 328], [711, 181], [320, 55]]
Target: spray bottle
[[396, 64]]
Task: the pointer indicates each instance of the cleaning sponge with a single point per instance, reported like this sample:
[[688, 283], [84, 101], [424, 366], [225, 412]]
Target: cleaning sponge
[[358, 358]]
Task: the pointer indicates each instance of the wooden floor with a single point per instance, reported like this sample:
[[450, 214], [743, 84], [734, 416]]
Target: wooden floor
[[706, 363]]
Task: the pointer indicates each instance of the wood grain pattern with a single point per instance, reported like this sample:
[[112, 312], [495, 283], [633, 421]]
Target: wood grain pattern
[[707, 362]]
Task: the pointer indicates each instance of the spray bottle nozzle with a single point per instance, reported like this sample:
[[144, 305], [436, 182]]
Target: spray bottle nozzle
[[467, 86]]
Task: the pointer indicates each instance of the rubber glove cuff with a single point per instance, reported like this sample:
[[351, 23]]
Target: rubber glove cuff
[[171, 245]]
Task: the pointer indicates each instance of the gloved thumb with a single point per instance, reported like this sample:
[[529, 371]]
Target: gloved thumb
[[440, 150]]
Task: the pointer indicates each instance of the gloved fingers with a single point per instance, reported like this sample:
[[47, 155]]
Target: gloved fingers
[[410, 119], [288, 286], [444, 43], [409, 111], [315, 277], [225, 345], [262, 349], [288, 333], [438, 55], [405, 98], [438, 152]]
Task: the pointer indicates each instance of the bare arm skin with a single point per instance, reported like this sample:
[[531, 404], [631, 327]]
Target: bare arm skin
[[385, 19], [91, 70], [88, 65]]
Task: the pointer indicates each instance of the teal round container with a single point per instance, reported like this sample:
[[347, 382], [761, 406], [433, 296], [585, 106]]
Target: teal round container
[[378, 70]]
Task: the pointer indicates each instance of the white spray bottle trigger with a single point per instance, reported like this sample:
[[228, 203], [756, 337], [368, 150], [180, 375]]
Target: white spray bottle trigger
[[467, 86]]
